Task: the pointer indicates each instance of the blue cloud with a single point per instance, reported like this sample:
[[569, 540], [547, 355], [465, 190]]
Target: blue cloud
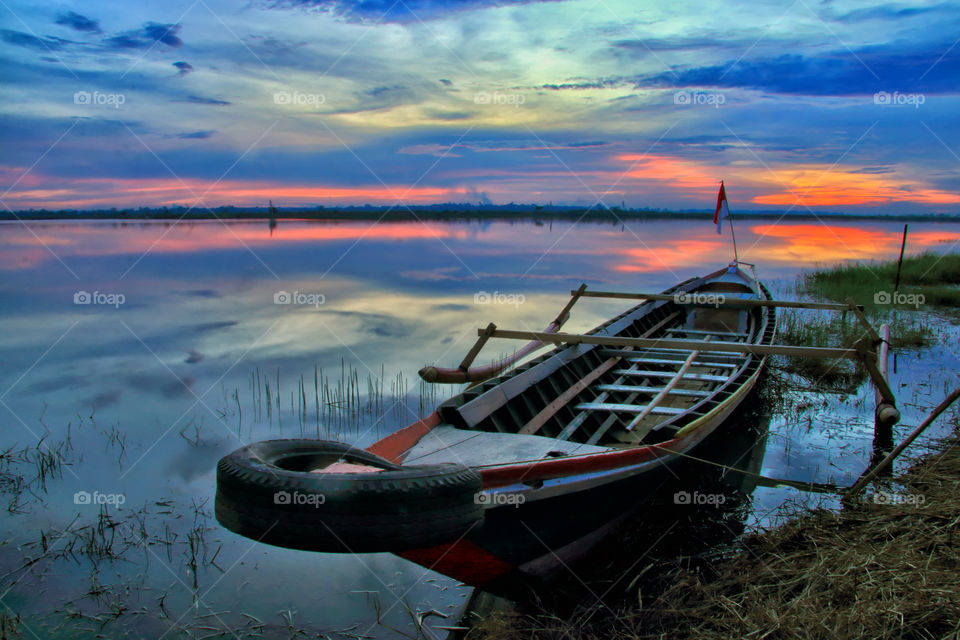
[[146, 36], [21, 39], [396, 11], [78, 22], [183, 67], [193, 135], [840, 73], [889, 12], [201, 100]]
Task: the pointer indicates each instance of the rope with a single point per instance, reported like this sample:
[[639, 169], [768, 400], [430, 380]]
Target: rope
[[806, 486]]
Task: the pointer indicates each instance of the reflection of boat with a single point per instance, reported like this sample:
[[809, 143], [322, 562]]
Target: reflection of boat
[[562, 444]]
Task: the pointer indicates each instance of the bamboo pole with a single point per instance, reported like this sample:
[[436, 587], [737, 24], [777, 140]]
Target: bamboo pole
[[792, 304], [886, 413], [464, 373], [667, 343], [872, 473], [869, 358]]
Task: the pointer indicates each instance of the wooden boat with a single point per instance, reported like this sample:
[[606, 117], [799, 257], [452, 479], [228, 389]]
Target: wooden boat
[[563, 443], [524, 470]]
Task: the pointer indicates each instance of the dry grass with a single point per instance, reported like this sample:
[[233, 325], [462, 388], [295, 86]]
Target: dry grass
[[882, 568]]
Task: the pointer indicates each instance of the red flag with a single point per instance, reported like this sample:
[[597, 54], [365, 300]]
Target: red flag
[[721, 199]]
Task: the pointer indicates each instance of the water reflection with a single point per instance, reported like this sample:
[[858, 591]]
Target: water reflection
[[150, 392]]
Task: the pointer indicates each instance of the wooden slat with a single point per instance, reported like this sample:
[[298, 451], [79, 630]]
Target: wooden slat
[[710, 333], [654, 404], [648, 343], [574, 424], [699, 363], [538, 420], [626, 388], [702, 377], [626, 408], [682, 353]]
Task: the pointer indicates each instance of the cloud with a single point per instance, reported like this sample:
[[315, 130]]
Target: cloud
[[203, 100], [214, 326], [192, 135], [21, 39], [886, 12], [183, 67], [146, 36], [78, 22], [438, 150], [839, 73], [393, 11]]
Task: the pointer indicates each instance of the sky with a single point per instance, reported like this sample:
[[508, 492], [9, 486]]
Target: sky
[[803, 107]]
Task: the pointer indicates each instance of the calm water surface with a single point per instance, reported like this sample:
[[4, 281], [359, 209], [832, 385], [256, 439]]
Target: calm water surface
[[137, 354]]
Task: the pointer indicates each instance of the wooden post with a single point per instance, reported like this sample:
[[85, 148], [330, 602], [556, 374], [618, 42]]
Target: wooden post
[[475, 349], [869, 358], [564, 314], [875, 471], [858, 312], [903, 246], [886, 414]]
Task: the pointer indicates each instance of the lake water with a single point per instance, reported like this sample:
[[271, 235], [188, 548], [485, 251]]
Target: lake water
[[138, 353]]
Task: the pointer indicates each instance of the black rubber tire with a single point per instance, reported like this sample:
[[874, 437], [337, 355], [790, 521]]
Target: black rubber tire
[[393, 510]]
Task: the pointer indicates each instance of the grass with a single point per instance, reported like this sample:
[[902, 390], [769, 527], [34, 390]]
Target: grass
[[885, 567], [934, 277]]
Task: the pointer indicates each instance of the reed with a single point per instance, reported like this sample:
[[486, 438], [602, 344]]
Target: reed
[[341, 404]]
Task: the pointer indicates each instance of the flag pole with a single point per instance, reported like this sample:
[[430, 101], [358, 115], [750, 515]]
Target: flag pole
[[733, 234]]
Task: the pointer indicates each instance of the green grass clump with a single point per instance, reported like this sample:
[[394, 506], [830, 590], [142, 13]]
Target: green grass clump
[[935, 277]]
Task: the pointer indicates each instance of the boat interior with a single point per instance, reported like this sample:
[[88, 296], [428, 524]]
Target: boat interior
[[580, 399]]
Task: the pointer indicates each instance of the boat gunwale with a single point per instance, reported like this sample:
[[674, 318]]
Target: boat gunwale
[[396, 446]]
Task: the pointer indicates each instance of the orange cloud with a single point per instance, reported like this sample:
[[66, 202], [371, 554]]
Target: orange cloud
[[688, 175], [824, 186]]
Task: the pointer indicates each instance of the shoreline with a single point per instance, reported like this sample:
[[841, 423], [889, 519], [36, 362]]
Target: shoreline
[[885, 566], [386, 214]]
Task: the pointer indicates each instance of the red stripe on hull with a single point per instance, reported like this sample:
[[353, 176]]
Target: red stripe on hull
[[462, 560], [559, 467], [396, 444]]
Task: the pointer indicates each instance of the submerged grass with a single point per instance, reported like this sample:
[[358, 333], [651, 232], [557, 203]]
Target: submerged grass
[[885, 567], [926, 279]]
